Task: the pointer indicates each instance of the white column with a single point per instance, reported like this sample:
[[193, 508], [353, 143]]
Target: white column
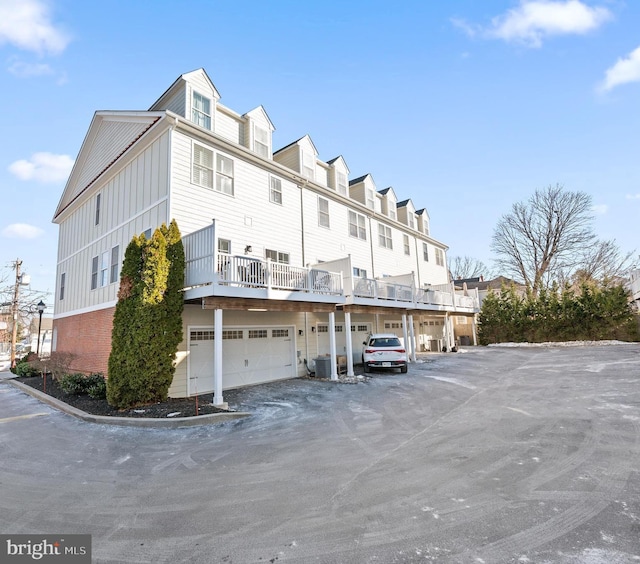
[[412, 339], [446, 331], [407, 345], [332, 345], [474, 328], [217, 357], [347, 322]]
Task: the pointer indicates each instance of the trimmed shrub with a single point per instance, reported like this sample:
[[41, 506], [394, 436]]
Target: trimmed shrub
[[147, 324], [77, 384]]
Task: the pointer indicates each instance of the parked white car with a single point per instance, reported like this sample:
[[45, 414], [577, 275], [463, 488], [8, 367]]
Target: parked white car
[[384, 350]]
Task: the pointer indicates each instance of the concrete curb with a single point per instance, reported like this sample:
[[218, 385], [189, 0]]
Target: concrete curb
[[149, 422]]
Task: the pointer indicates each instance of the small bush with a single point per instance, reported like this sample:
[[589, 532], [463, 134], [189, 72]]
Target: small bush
[[96, 386], [73, 384], [78, 384]]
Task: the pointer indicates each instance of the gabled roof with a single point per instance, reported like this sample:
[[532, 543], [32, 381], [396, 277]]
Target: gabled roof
[[360, 179], [385, 192], [260, 110], [179, 83], [403, 203], [422, 211], [297, 142], [339, 158], [110, 135]]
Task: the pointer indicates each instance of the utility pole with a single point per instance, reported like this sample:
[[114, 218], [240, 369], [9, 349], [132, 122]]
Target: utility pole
[[14, 311]]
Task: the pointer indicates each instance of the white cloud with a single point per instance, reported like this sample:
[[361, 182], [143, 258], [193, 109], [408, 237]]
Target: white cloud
[[633, 196], [624, 71], [27, 24], [21, 231], [600, 209], [27, 70], [43, 167], [534, 20]]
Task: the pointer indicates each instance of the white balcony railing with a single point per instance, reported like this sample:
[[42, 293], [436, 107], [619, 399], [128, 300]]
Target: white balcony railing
[[250, 272], [381, 290]]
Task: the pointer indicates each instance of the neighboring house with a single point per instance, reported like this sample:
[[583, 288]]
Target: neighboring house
[[286, 259], [633, 284]]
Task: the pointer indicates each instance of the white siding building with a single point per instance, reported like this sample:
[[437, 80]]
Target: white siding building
[[286, 258]]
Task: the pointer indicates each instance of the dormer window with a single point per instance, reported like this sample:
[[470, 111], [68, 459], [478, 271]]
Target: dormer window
[[261, 141], [410, 220], [392, 212], [342, 183], [308, 166], [201, 111], [371, 204]]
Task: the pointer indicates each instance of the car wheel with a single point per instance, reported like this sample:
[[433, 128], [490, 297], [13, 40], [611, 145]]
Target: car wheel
[[404, 369], [367, 368]]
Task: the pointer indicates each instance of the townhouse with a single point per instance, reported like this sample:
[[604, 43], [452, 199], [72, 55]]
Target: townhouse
[[287, 259]]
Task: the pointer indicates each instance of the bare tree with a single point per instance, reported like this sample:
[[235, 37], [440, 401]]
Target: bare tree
[[545, 236], [604, 261], [466, 267]]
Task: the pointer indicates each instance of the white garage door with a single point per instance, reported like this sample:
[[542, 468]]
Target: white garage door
[[359, 333], [250, 355]]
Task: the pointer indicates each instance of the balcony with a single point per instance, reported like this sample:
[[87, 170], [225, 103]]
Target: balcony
[[209, 273]]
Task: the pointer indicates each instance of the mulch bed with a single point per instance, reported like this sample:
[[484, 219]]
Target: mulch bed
[[173, 407]]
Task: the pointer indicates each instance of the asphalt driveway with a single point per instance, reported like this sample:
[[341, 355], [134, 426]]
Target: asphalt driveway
[[489, 455]]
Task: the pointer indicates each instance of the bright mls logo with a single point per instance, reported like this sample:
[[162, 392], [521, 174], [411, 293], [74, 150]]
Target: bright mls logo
[[67, 549]]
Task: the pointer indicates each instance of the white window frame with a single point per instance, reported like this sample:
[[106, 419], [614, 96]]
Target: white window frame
[[63, 279], [411, 220], [357, 225], [439, 257], [94, 272], [324, 219], [98, 203], [341, 183], [114, 273], [370, 199], [385, 239], [392, 211], [224, 174], [425, 252], [308, 165], [224, 246], [406, 244], [359, 272], [105, 263], [261, 141], [202, 166], [277, 256], [275, 190], [201, 110]]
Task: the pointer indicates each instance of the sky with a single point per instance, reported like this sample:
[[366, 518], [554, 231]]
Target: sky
[[465, 107]]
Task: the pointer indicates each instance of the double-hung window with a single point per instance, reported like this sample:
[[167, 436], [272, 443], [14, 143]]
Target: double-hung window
[[94, 273], [323, 212], [224, 174], [308, 165], [411, 220], [104, 268], [342, 183], [425, 252], [224, 246], [115, 264], [439, 257], [63, 277], [357, 225], [384, 236], [275, 190], [202, 173], [371, 203], [405, 241], [277, 256], [392, 211], [359, 272], [98, 202], [261, 141], [201, 111]]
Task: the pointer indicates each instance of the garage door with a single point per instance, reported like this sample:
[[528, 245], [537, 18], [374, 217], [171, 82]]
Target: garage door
[[250, 355], [359, 333]]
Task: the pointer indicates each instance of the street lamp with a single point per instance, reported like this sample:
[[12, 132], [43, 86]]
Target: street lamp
[[41, 308]]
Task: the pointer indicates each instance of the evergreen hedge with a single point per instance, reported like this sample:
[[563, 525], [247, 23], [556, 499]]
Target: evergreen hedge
[[147, 324], [594, 312]]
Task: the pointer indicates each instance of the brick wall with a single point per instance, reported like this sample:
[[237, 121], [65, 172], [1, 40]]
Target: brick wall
[[88, 336]]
